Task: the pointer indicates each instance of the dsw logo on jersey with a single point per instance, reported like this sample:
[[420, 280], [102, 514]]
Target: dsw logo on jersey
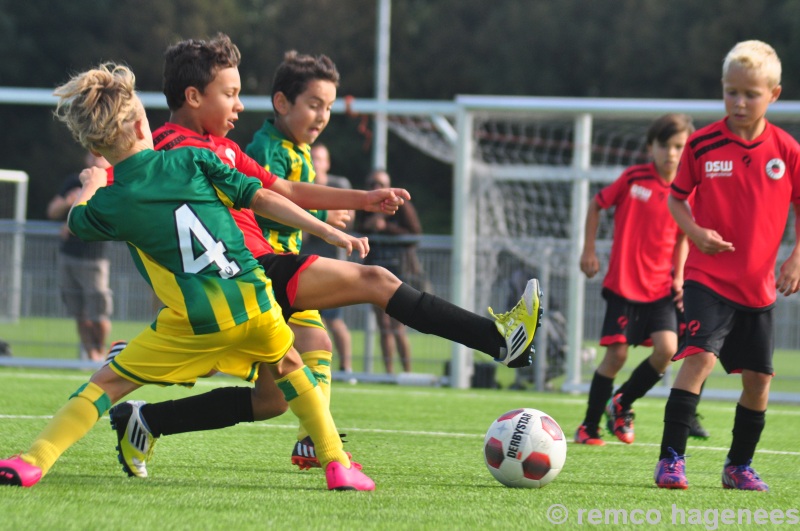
[[640, 192], [719, 168]]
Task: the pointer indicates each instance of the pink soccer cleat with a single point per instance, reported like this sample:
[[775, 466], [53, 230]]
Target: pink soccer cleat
[[588, 435], [742, 477], [671, 472], [341, 478], [18, 473], [620, 421]]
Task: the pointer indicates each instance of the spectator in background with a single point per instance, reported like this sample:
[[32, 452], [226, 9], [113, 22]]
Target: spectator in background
[[333, 318], [83, 272], [393, 245]]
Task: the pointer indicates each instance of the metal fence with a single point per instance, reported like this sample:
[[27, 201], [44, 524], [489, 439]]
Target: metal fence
[[134, 301]]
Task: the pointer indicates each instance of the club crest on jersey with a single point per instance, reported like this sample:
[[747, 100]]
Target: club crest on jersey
[[640, 192], [719, 168], [775, 169]]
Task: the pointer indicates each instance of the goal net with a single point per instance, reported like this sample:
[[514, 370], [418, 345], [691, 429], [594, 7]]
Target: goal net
[[525, 170], [13, 201]]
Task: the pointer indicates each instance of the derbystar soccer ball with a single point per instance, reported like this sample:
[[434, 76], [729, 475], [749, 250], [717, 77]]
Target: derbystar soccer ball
[[525, 448]]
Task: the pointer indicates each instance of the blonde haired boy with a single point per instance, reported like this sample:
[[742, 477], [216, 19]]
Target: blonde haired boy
[[220, 313], [743, 172]]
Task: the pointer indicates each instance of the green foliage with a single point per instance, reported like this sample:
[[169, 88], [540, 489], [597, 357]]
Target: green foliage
[[598, 48], [422, 447]]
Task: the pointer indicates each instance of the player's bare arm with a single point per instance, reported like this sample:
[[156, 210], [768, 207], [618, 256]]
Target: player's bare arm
[[590, 264], [386, 200], [679, 255], [788, 281], [310, 197], [708, 241], [92, 180], [339, 218], [274, 206]]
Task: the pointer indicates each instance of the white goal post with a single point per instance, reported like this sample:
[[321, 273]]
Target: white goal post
[[13, 212], [524, 170]]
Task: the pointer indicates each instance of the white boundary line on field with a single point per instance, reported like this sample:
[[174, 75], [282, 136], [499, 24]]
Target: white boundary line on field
[[415, 433], [558, 399]]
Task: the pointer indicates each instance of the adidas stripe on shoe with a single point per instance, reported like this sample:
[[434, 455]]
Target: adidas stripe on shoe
[[518, 326]]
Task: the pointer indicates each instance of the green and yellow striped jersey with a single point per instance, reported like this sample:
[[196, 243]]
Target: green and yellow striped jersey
[[171, 207], [289, 161]]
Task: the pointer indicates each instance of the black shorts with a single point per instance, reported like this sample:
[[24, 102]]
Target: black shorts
[[741, 337], [634, 322], [284, 271]]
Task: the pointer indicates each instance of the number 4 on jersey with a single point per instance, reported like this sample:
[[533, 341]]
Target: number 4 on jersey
[[190, 230]]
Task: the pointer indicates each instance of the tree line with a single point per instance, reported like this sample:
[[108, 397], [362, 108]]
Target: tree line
[[581, 48]]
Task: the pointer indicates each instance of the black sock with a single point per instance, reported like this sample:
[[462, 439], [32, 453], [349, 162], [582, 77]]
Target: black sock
[[429, 314], [599, 393], [220, 408], [747, 428], [678, 414], [642, 379]]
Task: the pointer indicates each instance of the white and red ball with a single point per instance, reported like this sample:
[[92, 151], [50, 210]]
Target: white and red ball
[[525, 448]]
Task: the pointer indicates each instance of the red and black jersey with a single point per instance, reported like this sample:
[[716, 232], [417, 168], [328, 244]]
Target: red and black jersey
[[742, 189], [640, 266], [170, 136]]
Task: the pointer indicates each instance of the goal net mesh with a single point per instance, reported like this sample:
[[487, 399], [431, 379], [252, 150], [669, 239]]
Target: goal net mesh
[[521, 187]]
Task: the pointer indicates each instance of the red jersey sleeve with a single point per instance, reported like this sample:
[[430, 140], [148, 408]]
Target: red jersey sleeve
[[247, 165], [612, 194], [684, 183]]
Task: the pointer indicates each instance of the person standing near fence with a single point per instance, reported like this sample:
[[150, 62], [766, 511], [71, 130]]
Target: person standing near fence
[[393, 245], [332, 317], [83, 272]]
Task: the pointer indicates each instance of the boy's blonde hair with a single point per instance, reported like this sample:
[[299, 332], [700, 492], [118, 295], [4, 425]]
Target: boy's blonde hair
[[758, 56], [99, 107]]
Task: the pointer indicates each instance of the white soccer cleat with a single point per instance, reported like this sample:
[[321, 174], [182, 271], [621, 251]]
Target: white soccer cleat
[[518, 326], [135, 442]]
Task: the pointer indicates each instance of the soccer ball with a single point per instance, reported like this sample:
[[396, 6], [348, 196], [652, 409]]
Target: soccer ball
[[525, 448]]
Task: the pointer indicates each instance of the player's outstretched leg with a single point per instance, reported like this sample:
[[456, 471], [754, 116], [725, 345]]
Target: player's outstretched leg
[[506, 337]]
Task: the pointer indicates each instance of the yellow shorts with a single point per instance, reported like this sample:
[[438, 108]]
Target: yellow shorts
[[310, 318], [158, 358]]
